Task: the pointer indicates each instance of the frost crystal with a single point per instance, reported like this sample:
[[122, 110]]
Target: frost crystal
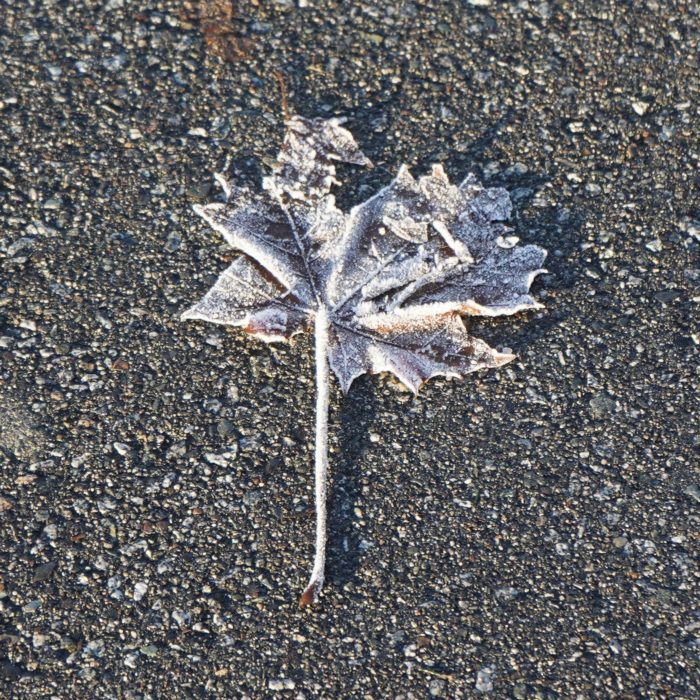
[[384, 286]]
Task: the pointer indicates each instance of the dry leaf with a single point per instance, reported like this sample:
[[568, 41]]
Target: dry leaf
[[383, 286], [217, 22]]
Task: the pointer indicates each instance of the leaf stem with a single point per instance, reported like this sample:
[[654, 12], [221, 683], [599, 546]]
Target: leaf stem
[[315, 584]]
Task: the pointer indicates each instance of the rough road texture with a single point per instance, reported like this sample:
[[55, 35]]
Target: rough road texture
[[527, 533]]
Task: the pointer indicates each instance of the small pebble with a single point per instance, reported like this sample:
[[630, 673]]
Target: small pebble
[[122, 448], [140, 590], [484, 679], [181, 617]]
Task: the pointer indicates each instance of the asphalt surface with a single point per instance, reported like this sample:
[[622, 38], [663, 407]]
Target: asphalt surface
[[530, 532]]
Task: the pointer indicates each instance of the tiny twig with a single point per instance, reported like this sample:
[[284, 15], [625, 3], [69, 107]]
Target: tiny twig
[[445, 676], [279, 77]]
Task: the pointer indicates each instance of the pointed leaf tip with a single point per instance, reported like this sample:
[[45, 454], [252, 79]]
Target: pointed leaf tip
[[503, 358], [224, 184]]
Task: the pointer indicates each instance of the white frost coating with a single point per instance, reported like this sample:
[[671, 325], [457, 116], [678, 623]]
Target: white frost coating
[[507, 241], [321, 458], [246, 230], [242, 296], [461, 250], [384, 285]]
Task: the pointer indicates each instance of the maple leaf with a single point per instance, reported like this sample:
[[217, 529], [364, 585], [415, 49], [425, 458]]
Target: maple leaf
[[384, 287]]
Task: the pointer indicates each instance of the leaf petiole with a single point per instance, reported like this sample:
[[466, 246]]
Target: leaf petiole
[[315, 584]]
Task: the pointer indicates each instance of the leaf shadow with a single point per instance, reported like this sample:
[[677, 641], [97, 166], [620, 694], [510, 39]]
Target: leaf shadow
[[557, 228], [358, 412], [559, 231]]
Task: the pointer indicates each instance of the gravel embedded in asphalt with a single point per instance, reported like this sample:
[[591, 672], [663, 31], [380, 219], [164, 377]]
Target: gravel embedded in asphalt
[[529, 532]]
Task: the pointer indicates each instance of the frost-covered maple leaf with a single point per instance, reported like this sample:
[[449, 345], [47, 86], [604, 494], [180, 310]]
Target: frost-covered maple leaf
[[383, 287]]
